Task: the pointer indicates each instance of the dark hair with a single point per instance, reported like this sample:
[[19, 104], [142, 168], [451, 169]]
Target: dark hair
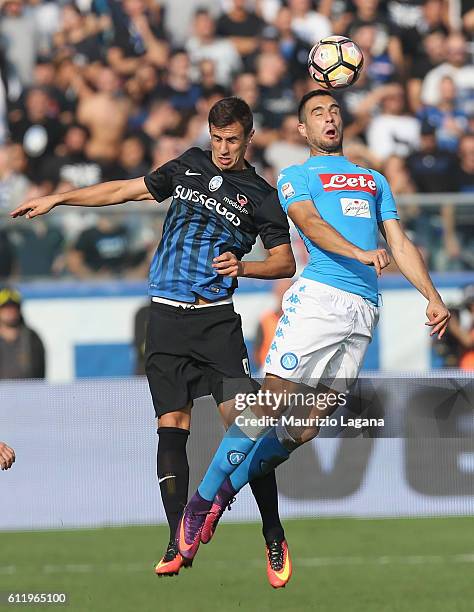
[[308, 96], [231, 110]]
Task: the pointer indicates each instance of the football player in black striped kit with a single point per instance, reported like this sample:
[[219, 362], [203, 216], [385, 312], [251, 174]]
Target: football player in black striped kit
[[194, 341]]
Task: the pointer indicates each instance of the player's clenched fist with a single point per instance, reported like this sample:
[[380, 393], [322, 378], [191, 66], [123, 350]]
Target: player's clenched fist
[[7, 456], [379, 258], [227, 264], [35, 207]]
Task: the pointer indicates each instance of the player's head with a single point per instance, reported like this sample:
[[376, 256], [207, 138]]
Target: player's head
[[320, 122], [231, 130]]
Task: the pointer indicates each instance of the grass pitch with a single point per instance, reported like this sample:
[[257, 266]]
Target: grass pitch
[[340, 565]]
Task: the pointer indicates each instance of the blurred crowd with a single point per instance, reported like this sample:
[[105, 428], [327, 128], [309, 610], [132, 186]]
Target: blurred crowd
[[97, 90]]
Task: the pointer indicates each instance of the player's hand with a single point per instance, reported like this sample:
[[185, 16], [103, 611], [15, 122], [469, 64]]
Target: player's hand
[[7, 456], [438, 317], [35, 207], [378, 258], [227, 264]]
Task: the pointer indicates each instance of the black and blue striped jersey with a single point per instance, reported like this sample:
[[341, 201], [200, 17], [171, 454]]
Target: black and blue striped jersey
[[212, 211]]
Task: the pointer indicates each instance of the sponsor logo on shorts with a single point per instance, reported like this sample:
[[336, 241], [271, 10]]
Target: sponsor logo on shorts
[[352, 207], [215, 183], [349, 182], [235, 457], [287, 190], [289, 361]]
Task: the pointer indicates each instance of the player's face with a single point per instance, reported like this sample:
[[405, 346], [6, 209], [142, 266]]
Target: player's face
[[229, 145], [322, 125]]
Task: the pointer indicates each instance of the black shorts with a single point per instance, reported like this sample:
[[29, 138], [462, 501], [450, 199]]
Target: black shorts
[[192, 352]]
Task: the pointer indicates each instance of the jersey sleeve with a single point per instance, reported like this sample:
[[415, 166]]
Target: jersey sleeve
[[272, 223], [385, 203], [292, 187], [159, 182]]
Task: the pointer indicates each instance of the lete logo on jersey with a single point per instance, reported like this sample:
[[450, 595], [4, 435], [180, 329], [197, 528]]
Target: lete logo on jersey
[[349, 182]]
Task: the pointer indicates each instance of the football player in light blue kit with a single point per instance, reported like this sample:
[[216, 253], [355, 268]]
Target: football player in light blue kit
[[329, 314]]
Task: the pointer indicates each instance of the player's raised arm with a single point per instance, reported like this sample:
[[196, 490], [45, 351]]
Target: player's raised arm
[[103, 194], [305, 216], [411, 265]]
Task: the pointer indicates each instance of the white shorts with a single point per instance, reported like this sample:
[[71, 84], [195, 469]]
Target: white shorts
[[323, 334]]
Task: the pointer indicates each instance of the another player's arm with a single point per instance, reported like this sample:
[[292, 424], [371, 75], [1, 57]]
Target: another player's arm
[[411, 265], [280, 263], [103, 194], [305, 216], [7, 456]]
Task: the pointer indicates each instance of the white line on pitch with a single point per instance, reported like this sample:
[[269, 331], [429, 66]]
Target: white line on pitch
[[89, 568]]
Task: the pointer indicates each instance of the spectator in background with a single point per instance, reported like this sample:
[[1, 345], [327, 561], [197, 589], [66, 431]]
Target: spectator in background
[[431, 168], [289, 148], [178, 88], [394, 131], [103, 250], [3, 96], [104, 112], [22, 353], [78, 37], [204, 44], [35, 127], [368, 13], [132, 159], [18, 28], [138, 35], [457, 347], [433, 54], [7, 456], [242, 26], [448, 120], [70, 163], [459, 68], [13, 185], [7, 255], [268, 322], [458, 221], [276, 94], [310, 26], [431, 19], [293, 49]]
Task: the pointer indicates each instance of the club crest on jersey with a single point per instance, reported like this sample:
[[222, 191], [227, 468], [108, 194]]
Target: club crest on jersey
[[235, 457], [242, 199], [349, 182], [352, 207], [215, 183], [287, 190]]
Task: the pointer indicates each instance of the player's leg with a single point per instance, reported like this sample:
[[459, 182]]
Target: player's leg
[[169, 374]]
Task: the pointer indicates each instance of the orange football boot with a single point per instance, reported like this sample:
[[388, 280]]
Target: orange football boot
[[171, 562], [278, 564]]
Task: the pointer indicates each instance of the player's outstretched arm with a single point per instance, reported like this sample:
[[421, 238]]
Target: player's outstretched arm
[[305, 216], [7, 456], [103, 194], [280, 263], [411, 265]]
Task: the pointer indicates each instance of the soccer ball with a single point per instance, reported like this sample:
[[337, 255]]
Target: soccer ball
[[335, 62]]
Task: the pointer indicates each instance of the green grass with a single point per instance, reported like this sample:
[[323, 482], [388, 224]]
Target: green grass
[[340, 565]]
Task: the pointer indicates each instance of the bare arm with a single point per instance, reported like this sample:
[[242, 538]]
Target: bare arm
[[103, 194], [412, 266], [280, 263], [305, 216]]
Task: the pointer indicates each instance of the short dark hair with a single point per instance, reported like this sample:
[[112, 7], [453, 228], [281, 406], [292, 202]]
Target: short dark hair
[[308, 96], [231, 110]]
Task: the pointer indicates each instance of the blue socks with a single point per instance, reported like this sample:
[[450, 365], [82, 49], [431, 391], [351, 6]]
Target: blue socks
[[267, 453], [242, 459], [232, 451]]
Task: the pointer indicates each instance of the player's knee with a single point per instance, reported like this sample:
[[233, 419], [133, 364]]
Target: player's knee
[[175, 419]]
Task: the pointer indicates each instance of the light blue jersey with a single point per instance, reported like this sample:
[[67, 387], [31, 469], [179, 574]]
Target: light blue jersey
[[351, 199]]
